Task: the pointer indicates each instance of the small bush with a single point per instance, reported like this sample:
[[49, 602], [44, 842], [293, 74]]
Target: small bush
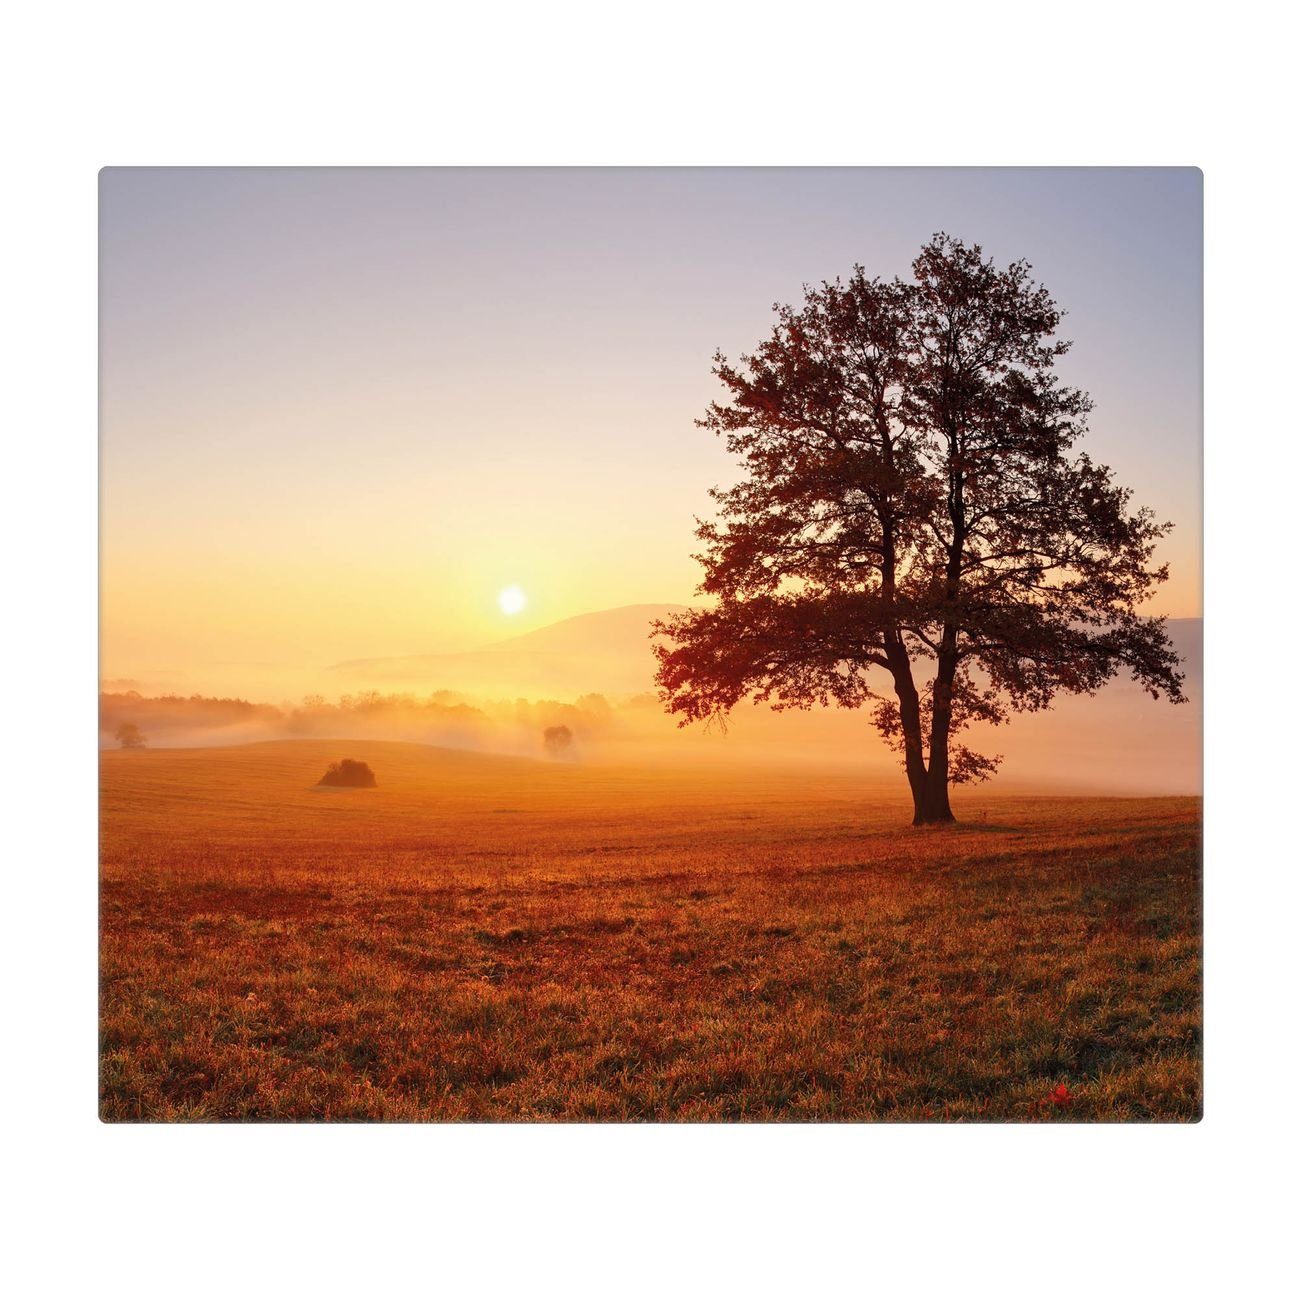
[[350, 772]]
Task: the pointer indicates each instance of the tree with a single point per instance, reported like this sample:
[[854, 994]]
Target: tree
[[914, 527], [129, 736], [557, 741]]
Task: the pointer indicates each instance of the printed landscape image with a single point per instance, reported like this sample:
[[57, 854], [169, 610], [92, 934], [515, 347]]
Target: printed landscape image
[[650, 645]]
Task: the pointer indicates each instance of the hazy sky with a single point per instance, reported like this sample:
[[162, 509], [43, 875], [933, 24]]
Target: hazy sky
[[342, 409]]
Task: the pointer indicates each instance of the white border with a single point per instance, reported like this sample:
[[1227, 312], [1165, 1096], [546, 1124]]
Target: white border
[[641, 1211]]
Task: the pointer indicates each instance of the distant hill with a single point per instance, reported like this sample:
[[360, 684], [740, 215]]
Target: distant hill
[[621, 632], [607, 652]]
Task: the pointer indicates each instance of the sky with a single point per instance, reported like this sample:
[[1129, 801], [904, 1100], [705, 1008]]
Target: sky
[[343, 409]]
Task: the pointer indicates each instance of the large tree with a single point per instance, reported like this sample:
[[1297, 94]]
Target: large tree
[[914, 527]]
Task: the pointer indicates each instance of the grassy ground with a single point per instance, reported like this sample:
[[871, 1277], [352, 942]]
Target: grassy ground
[[495, 938]]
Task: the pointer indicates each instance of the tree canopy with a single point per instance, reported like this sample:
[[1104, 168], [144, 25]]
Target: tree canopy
[[129, 736], [915, 527]]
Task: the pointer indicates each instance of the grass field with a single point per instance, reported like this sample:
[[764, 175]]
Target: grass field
[[503, 939]]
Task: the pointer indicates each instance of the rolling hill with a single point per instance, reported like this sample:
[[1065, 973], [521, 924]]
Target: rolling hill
[[607, 651]]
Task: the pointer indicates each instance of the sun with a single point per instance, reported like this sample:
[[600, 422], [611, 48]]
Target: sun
[[511, 600]]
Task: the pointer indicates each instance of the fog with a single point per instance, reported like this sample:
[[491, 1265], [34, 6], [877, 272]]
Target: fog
[[594, 675], [1118, 742]]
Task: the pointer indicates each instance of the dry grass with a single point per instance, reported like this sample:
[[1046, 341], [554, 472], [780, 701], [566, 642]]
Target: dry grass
[[493, 938]]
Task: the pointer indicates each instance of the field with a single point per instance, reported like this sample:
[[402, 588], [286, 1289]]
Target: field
[[489, 938]]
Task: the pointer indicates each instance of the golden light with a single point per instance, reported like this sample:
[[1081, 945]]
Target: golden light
[[512, 600]]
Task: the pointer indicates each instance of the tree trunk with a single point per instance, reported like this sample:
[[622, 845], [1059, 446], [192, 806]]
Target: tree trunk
[[933, 807], [929, 786], [909, 712], [930, 806]]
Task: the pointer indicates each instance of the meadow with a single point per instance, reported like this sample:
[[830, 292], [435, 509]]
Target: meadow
[[499, 938]]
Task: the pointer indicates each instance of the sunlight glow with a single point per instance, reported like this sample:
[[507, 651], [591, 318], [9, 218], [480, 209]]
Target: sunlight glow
[[512, 600]]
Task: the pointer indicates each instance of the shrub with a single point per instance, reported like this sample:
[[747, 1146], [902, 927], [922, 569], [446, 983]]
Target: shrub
[[349, 772]]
